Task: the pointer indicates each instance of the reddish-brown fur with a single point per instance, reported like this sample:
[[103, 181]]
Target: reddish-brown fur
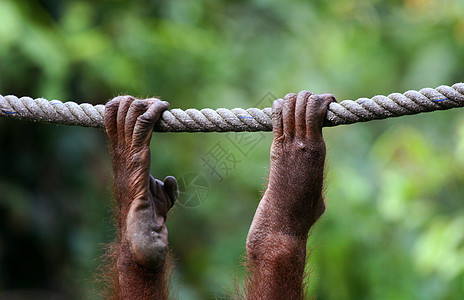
[[292, 203], [276, 242], [141, 263]]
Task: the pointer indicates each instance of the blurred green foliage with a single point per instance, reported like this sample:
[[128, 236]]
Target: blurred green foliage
[[394, 228]]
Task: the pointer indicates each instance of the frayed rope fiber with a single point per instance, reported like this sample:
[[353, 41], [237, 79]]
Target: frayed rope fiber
[[238, 119]]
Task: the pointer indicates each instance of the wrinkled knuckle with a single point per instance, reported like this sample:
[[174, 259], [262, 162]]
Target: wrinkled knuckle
[[315, 99], [143, 120], [318, 103], [113, 103], [165, 103], [152, 100], [305, 94], [290, 96], [123, 98], [158, 104], [116, 100], [161, 105], [139, 104]]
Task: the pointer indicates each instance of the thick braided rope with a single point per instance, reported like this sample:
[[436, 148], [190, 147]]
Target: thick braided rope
[[238, 119]]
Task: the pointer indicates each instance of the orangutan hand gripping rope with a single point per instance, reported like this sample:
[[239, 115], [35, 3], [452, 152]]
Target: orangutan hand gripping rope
[[276, 242]]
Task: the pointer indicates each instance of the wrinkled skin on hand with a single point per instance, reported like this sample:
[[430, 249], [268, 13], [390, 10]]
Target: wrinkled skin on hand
[[298, 153], [293, 202], [142, 201], [276, 242]]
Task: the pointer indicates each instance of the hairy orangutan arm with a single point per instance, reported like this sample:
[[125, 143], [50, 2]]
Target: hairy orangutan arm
[[292, 203], [142, 202]]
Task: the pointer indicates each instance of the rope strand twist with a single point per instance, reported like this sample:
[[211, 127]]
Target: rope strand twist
[[238, 119]]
